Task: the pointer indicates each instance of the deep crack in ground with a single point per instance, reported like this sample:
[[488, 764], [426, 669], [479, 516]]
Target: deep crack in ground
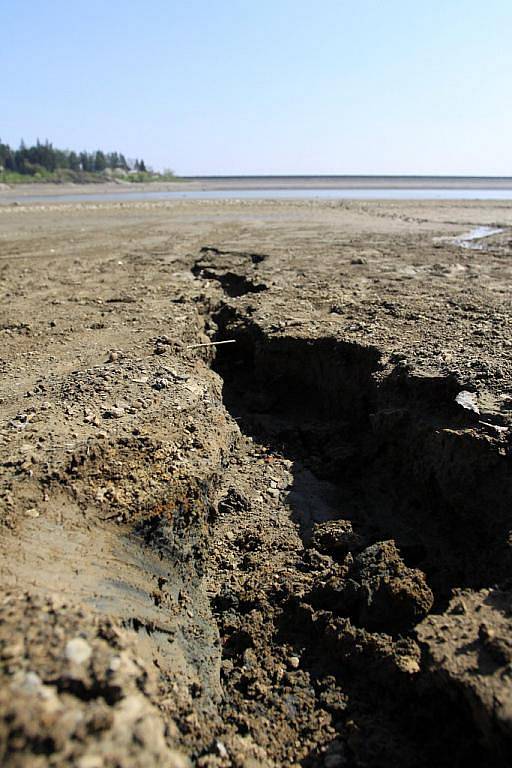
[[321, 663]]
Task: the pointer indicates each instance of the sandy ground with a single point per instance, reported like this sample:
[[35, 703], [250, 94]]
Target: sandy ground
[[289, 549]]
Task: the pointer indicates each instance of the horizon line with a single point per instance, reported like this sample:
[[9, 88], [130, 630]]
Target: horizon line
[[342, 176]]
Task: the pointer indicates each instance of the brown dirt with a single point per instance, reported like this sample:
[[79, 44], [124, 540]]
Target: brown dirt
[[290, 549]]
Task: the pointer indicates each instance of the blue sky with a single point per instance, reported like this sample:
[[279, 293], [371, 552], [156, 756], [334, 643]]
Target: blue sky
[[273, 86]]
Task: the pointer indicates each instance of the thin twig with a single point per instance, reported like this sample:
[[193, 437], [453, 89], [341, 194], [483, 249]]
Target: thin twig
[[210, 343]]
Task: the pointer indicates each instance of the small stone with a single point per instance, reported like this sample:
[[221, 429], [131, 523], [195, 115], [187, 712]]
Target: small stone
[[113, 413], [468, 401], [221, 749], [335, 536], [409, 664], [274, 492], [32, 512], [31, 683], [160, 383], [78, 650], [294, 662], [90, 761]]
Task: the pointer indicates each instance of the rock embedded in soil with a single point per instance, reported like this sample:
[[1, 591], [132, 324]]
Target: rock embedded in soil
[[335, 537]]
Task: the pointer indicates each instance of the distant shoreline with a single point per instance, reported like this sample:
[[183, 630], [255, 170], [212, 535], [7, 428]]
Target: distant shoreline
[[206, 183], [350, 182]]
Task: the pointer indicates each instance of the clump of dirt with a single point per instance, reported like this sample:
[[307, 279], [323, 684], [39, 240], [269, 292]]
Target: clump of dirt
[[75, 692]]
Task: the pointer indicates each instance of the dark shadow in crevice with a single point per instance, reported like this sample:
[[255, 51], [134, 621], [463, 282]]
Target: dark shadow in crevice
[[393, 454]]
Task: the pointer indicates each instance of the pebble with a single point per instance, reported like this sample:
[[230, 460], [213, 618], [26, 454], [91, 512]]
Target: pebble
[[274, 492], [115, 664], [113, 413], [160, 383], [221, 749], [409, 665], [92, 419], [468, 401], [294, 662], [32, 512], [32, 683], [78, 650], [90, 761]]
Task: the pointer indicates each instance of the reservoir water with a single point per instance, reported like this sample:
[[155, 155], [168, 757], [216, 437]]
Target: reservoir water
[[268, 194]]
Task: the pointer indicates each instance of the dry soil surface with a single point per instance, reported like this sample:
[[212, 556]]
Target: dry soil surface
[[292, 548]]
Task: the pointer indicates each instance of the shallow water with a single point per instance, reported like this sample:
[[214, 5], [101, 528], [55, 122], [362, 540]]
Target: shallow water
[[473, 238], [273, 194]]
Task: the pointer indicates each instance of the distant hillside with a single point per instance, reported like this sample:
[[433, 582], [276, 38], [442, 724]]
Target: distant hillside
[[44, 162]]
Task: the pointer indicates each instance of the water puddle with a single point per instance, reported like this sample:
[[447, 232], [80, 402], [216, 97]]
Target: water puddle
[[472, 240]]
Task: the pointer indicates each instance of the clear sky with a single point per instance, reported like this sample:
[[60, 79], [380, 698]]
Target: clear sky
[[265, 86]]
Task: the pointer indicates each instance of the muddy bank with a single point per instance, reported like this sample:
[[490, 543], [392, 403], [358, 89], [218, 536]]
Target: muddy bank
[[292, 549]]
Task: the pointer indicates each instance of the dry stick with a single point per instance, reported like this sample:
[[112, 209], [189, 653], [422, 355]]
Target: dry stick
[[210, 343]]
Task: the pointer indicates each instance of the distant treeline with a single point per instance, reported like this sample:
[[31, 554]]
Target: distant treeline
[[40, 159]]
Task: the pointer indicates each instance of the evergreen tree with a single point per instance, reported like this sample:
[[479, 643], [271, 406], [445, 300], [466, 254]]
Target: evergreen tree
[[85, 162], [113, 160], [100, 161], [44, 157], [73, 161]]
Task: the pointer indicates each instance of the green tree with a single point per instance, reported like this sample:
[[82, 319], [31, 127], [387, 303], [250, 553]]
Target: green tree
[[100, 161], [73, 161]]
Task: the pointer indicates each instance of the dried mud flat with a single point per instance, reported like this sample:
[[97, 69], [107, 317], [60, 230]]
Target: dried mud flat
[[290, 549]]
